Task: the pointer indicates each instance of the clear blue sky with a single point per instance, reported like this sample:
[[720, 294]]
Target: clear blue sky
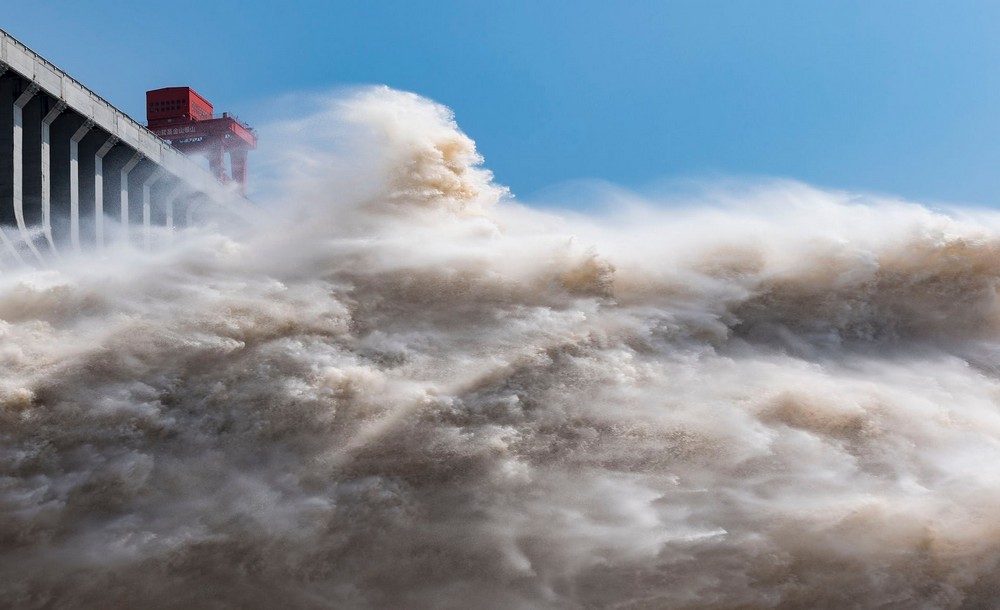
[[898, 96]]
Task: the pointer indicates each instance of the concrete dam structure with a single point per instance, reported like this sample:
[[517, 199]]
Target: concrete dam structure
[[76, 172]]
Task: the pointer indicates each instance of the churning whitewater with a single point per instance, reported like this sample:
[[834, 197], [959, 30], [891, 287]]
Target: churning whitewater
[[405, 390]]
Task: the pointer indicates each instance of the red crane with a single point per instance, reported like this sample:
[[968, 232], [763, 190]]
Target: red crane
[[185, 119]]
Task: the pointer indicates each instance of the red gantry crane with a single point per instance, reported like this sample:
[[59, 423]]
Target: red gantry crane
[[183, 117]]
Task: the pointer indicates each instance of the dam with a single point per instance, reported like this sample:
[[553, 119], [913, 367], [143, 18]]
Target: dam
[[76, 172]]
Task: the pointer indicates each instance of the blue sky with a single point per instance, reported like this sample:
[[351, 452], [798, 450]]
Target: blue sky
[[890, 96]]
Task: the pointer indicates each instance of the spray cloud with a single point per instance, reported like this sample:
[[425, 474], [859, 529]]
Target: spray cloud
[[408, 391]]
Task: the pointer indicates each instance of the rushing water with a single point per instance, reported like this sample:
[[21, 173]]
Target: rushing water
[[408, 391]]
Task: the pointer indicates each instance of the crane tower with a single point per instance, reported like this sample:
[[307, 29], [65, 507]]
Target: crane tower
[[186, 119]]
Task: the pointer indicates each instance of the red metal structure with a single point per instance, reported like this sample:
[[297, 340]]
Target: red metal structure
[[183, 117]]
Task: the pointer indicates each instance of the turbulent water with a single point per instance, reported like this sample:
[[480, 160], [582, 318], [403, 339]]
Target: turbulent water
[[405, 390]]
